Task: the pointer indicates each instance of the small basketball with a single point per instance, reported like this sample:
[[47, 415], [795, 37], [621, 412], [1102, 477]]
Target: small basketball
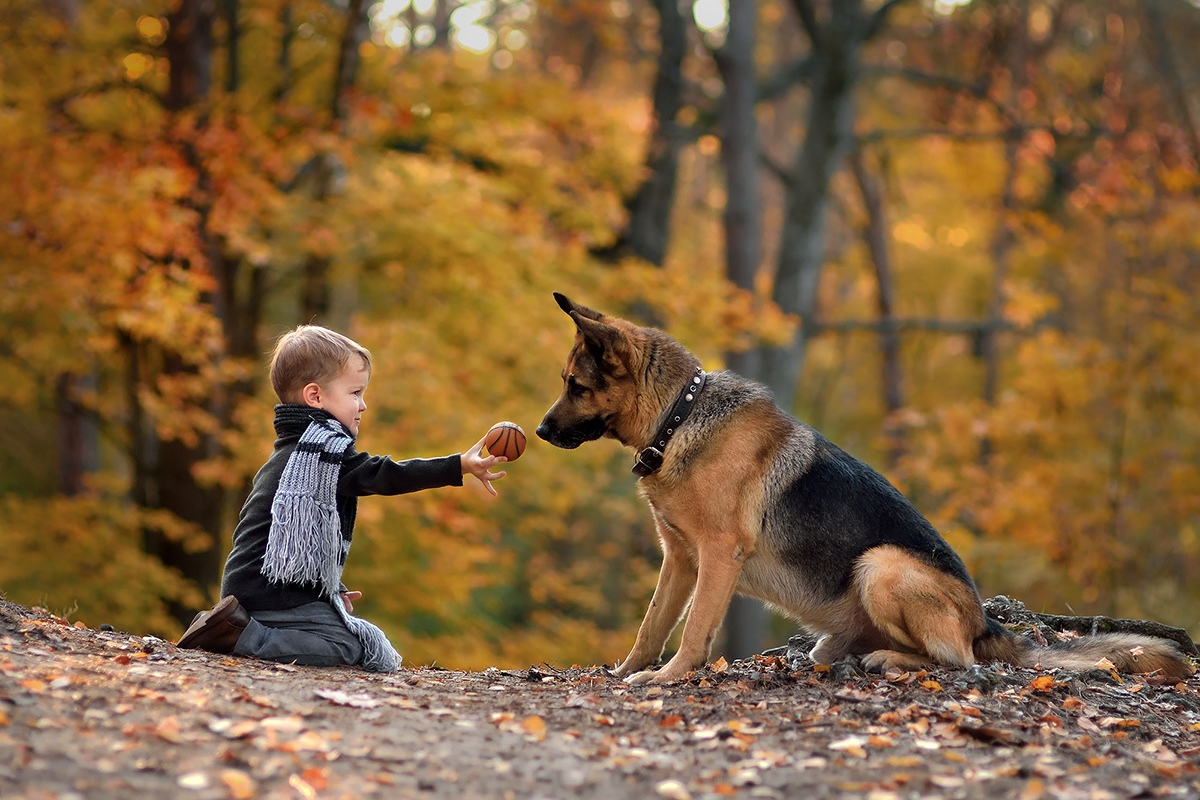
[[505, 439]]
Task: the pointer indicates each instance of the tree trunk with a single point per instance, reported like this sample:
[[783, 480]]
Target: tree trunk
[[1002, 237], [837, 47], [78, 434], [747, 621], [889, 337], [315, 300], [647, 232], [739, 155]]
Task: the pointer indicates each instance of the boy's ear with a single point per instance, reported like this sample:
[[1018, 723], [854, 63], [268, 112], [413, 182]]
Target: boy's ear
[[311, 395]]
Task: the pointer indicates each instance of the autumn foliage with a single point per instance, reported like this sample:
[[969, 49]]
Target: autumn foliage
[[161, 226]]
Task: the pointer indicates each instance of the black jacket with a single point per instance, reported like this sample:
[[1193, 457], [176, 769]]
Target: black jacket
[[361, 474]]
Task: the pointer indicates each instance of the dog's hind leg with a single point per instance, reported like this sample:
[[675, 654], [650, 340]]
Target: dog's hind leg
[[676, 580], [926, 615]]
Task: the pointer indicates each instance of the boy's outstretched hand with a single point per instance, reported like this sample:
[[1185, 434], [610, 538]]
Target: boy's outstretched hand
[[474, 462]]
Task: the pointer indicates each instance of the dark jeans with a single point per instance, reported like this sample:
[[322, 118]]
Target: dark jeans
[[313, 635]]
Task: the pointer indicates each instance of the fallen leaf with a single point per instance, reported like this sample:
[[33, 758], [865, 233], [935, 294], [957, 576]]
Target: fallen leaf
[[1033, 790], [341, 698], [303, 787], [535, 727], [168, 730], [932, 685], [670, 721], [852, 745], [282, 724], [720, 665], [241, 786], [672, 790], [193, 780], [1119, 722], [1043, 683], [309, 740], [316, 777]]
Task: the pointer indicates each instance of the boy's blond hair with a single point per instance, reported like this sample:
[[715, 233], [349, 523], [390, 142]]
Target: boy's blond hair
[[311, 354]]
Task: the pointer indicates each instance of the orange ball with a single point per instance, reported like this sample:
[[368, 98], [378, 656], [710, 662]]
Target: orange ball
[[505, 439]]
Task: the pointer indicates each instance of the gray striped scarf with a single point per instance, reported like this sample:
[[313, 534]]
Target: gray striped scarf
[[306, 545]]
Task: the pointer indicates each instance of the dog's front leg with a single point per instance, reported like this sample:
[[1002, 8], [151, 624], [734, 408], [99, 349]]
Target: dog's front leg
[[717, 577], [676, 580]]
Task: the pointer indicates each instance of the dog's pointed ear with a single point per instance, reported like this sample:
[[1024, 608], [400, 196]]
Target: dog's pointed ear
[[570, 307], [603, 341]]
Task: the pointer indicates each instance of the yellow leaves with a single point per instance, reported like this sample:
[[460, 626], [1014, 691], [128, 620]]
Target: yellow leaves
[[1025, 304]]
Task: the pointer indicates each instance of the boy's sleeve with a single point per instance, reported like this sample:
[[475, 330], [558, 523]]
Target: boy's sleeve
[[364, 474]]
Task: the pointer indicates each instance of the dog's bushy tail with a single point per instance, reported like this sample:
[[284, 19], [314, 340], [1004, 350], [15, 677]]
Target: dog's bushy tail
[[1127, 652]]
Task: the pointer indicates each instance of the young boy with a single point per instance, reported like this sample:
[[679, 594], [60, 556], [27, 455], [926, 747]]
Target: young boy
[[283, 598]]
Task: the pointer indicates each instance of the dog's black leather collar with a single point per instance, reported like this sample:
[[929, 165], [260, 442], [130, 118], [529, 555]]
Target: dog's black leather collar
[[650, 459]]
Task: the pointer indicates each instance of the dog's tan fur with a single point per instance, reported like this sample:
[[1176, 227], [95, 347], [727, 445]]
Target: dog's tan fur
[[727, 505]]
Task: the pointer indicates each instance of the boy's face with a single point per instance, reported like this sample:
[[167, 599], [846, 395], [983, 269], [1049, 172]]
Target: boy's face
[[343, 396]]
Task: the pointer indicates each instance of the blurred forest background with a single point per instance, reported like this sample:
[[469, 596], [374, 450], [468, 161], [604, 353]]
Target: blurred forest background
[[961, 238]]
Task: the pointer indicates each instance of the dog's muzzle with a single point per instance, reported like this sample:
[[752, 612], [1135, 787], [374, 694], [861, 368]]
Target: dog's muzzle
[[571, 437]]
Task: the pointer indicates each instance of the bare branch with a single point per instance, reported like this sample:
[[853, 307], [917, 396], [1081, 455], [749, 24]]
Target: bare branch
[[785, 77], [933, 325], [878, 20], [808, 18]]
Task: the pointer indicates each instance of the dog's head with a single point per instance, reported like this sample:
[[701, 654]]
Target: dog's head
[[599, 388]]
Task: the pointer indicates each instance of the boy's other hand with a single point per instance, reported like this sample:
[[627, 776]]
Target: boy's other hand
[[474, 462], [348, 598]]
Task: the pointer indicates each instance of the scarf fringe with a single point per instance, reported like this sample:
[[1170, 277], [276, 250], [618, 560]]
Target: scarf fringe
[[305, 543], [378, 653], [300, 548]]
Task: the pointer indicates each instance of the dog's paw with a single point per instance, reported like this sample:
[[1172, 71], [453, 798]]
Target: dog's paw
[[629, 667], [670, 672], [645, 676]]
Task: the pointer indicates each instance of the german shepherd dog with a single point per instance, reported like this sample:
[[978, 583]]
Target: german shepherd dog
[[748, 499]]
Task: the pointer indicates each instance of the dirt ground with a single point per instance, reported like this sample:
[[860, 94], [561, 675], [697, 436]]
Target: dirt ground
[[96, 714]]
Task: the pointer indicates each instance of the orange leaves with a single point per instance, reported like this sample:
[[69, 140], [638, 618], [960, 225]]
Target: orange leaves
[[168, 730], [1043, 683], [240, 785], [532, 727]]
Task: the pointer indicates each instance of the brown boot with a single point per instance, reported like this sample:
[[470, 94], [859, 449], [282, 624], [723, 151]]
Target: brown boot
[[216, 630]]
